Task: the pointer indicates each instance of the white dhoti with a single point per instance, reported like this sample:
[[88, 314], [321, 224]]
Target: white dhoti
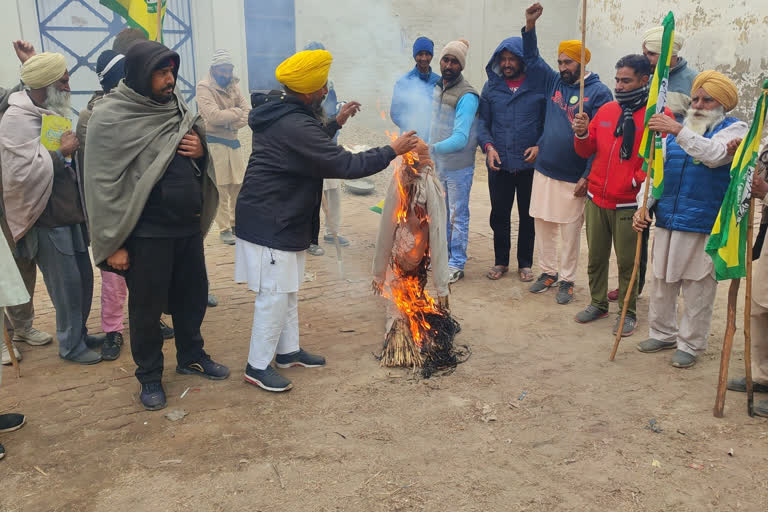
[[681, 264], [275, 277]]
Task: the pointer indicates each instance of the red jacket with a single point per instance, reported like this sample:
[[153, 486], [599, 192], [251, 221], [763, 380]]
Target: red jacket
[[613, 182]]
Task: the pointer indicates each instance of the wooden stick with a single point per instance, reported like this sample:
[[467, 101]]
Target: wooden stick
[[748, 314], [583, 54], [725, 358], [638, 248], [159, 37], [9, 346]]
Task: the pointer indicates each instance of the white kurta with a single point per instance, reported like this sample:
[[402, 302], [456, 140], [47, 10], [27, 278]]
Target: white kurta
[[275, 276], [12, 289]]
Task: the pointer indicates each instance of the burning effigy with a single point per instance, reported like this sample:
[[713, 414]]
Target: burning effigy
[[412, 240]]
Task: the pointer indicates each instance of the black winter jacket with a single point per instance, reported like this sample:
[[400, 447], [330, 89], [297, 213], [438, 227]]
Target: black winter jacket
[[283, 185]]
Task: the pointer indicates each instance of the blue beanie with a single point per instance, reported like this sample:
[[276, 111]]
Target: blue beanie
[[423, 44], [110, 67], [314, 45]]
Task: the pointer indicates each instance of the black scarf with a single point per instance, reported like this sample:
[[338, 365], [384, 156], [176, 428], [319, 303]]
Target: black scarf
[[630, 102]]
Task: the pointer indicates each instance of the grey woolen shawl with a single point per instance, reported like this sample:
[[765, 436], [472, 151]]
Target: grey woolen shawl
[[131, 141]]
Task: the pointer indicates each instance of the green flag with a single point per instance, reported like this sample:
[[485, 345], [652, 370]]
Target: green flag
[[657, 100], [727, 244]]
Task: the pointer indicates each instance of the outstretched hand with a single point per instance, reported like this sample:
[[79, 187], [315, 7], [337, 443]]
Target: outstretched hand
[[405, 143], [347, 110]]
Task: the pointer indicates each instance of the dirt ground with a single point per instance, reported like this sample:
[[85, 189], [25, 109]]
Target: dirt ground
[[537, 420]]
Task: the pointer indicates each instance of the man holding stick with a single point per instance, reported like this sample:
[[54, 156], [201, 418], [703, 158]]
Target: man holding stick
[[613, 137], [559, 184], [696, 176], [759, 313]]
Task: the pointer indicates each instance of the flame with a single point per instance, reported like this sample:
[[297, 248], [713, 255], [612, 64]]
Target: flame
[[407, 293], [414, 302], [382, 111]]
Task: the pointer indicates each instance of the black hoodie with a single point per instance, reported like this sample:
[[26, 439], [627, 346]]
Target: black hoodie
[[292, 153], [176, 201]]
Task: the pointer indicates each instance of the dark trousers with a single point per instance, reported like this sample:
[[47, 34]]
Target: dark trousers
[[503, 186], [643, 262], [165, 274]]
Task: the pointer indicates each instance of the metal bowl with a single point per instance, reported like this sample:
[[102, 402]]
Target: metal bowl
[[361, 187]]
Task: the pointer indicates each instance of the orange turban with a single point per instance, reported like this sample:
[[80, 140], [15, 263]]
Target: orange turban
[[719, 86], [572, 49], [305, 72]]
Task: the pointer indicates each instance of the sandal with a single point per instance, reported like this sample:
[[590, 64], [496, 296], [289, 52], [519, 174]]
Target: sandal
[[496, 272], [526, 274]]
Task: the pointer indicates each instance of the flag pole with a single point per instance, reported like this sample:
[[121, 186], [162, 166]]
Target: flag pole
[[748, 314], [583, 54], [638, 249], [159, 37], [725, 357]]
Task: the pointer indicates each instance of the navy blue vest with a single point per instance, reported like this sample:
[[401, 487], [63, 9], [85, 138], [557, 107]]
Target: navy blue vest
[[693, 192]]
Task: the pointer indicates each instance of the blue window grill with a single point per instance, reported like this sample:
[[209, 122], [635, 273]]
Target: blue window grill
[[81, 30]]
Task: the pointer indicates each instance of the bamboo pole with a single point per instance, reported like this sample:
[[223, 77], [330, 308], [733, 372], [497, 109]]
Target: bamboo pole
[[159, 37], [748, 314], [9, 346], [638, 248], [583, 54], [725, 357]]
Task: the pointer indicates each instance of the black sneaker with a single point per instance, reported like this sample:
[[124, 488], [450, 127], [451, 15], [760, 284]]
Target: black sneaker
[[205, 367], [152, 396], [167, 331], [564, 293], [11, 422], [300, 358], [267, 379], [93, 342], [2, 451], [111, 348]]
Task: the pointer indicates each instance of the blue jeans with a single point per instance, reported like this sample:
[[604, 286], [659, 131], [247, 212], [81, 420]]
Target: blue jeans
[[457, 185]]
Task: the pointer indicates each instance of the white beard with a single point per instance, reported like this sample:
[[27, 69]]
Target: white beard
[[701, 121], [58, 101]]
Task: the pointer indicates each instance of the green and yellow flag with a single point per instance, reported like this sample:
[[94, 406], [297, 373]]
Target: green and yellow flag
[[727, 243], [141, 14], [657, 100]]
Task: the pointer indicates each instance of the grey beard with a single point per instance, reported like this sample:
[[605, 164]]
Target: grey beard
[[58, 101], [319, 112], [707, 119]]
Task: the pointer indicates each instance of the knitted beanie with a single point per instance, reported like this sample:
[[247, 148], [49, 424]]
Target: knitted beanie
[[458, 49]]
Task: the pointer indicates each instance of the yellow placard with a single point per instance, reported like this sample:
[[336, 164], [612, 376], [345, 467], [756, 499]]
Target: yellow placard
[[52, 129]]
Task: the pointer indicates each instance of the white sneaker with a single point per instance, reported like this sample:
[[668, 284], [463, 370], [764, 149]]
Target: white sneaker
[[32, 337], [7, 355]]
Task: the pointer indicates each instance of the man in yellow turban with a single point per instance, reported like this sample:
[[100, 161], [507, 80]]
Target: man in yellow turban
[[680, 74], [696, 175], [558, 195], [279, 205]]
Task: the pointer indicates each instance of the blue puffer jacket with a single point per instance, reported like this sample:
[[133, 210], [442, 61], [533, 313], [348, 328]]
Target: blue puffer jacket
[[511, 121], [693, 192]]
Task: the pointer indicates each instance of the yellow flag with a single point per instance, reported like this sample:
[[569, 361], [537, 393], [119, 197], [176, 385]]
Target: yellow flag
[[141, 14]]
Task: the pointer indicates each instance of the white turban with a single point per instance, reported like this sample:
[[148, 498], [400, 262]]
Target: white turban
[[43, 69], [654, 37], [221, 58]]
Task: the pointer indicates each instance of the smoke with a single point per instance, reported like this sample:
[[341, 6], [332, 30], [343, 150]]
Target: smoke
[[371, 50]]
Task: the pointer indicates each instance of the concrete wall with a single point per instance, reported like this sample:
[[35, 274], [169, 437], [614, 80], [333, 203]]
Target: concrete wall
[[728, 36], [219, 27], [371, 39]]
